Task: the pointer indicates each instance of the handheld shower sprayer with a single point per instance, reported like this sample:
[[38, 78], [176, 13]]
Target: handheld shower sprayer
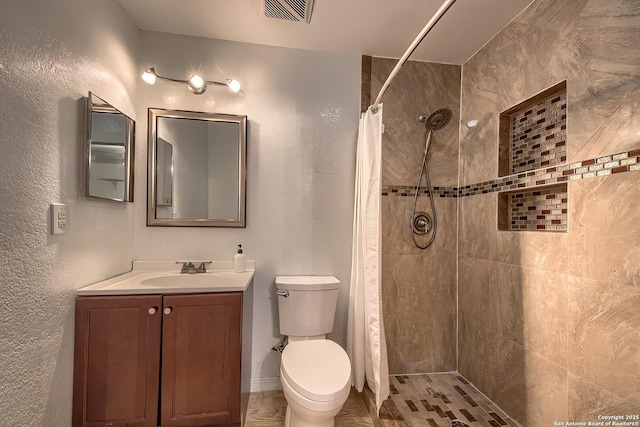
[[436, 120], [421, 222]]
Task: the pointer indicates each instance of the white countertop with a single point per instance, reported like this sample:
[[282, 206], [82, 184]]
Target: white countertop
[[163, 277]]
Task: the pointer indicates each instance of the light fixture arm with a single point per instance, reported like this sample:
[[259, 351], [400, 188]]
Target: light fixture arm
[[209, 82], [169, 79], [196, 84]]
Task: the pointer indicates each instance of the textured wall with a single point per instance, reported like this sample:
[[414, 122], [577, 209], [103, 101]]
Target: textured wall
[[419, 286], [51, 55], [302, 108], [549, 326]]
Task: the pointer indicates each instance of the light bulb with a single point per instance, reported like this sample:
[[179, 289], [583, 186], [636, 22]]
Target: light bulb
[[234, 85], [149, 76], [196, 84]]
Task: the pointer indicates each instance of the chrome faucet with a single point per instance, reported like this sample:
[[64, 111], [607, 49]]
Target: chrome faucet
[[188, 267]]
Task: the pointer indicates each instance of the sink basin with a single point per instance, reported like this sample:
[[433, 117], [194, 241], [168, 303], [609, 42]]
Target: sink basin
[[163, 277], [208, 280]]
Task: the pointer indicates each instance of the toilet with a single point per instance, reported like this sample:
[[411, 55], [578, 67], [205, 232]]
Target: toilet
[[315, 372]]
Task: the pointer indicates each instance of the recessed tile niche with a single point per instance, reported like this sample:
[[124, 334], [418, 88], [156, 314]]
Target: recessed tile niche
[[536, 209], [532, 136]]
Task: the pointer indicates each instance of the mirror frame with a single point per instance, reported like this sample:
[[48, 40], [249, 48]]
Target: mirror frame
[[93, 103], [154, 114]]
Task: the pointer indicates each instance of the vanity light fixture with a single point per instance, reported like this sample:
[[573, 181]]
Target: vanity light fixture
[[196, 84]]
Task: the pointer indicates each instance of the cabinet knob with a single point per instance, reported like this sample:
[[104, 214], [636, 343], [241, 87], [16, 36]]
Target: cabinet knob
[[167, 310], [153, 310]]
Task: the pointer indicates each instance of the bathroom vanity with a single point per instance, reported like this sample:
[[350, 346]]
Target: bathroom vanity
[[157, 348]]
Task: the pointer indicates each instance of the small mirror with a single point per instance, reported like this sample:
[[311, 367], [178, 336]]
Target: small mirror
[[108, 151], [197, 169]]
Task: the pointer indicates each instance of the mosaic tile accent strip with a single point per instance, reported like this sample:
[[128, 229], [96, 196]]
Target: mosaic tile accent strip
[[591, 168], [538, 134], [543, 209], [410, 191], [435, 400]]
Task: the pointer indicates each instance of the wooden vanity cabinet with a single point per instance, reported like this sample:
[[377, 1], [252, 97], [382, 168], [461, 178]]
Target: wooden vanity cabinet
[[137, 356], [201, 355]]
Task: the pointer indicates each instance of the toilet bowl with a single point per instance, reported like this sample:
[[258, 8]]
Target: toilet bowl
[[315, 372], [316, 380]]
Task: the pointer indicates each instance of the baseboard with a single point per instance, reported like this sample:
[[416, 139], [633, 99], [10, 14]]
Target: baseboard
[[265, 384]]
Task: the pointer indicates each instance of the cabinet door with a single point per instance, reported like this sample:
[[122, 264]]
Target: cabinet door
[[201, 359], [117, 361]]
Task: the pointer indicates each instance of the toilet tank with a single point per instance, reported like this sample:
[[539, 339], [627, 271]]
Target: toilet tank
[[310, 307]]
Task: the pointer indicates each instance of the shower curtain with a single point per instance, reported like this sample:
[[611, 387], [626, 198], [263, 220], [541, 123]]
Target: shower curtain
[[366, 344]]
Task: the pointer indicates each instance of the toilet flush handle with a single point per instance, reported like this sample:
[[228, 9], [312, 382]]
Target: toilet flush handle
[[282, 293]]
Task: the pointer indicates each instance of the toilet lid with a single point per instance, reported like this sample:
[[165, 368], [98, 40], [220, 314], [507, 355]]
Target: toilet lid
[[317, 369]]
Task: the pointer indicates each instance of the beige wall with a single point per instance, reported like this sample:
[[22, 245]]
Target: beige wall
[[549, 322], [419, 286]]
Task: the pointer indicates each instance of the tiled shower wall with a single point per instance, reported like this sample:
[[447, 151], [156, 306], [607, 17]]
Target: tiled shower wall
[[548, 322], [419, 287]]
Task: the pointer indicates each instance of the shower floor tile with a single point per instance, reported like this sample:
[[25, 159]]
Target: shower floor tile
[[434, 400]]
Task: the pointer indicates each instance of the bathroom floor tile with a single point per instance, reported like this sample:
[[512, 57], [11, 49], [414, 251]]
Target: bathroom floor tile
[[268, 408]]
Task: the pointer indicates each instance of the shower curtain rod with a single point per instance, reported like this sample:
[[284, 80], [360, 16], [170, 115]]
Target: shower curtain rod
[[432, 22]]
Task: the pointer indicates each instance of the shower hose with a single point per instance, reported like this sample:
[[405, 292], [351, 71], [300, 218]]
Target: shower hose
[[423, 223]]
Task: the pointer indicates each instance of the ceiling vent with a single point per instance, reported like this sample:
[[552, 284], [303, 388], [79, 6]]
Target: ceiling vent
[[290, 10]]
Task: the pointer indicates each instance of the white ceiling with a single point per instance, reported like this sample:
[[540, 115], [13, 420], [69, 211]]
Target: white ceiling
[[382, 28]]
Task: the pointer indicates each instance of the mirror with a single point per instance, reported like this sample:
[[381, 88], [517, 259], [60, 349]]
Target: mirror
[[197, 169], [164, 171], [108, 151]]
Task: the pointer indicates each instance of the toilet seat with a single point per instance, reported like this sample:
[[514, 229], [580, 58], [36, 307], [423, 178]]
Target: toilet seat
[[318, 370]]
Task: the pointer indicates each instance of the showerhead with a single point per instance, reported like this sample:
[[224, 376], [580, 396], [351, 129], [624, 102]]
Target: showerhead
[[436, 120]]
